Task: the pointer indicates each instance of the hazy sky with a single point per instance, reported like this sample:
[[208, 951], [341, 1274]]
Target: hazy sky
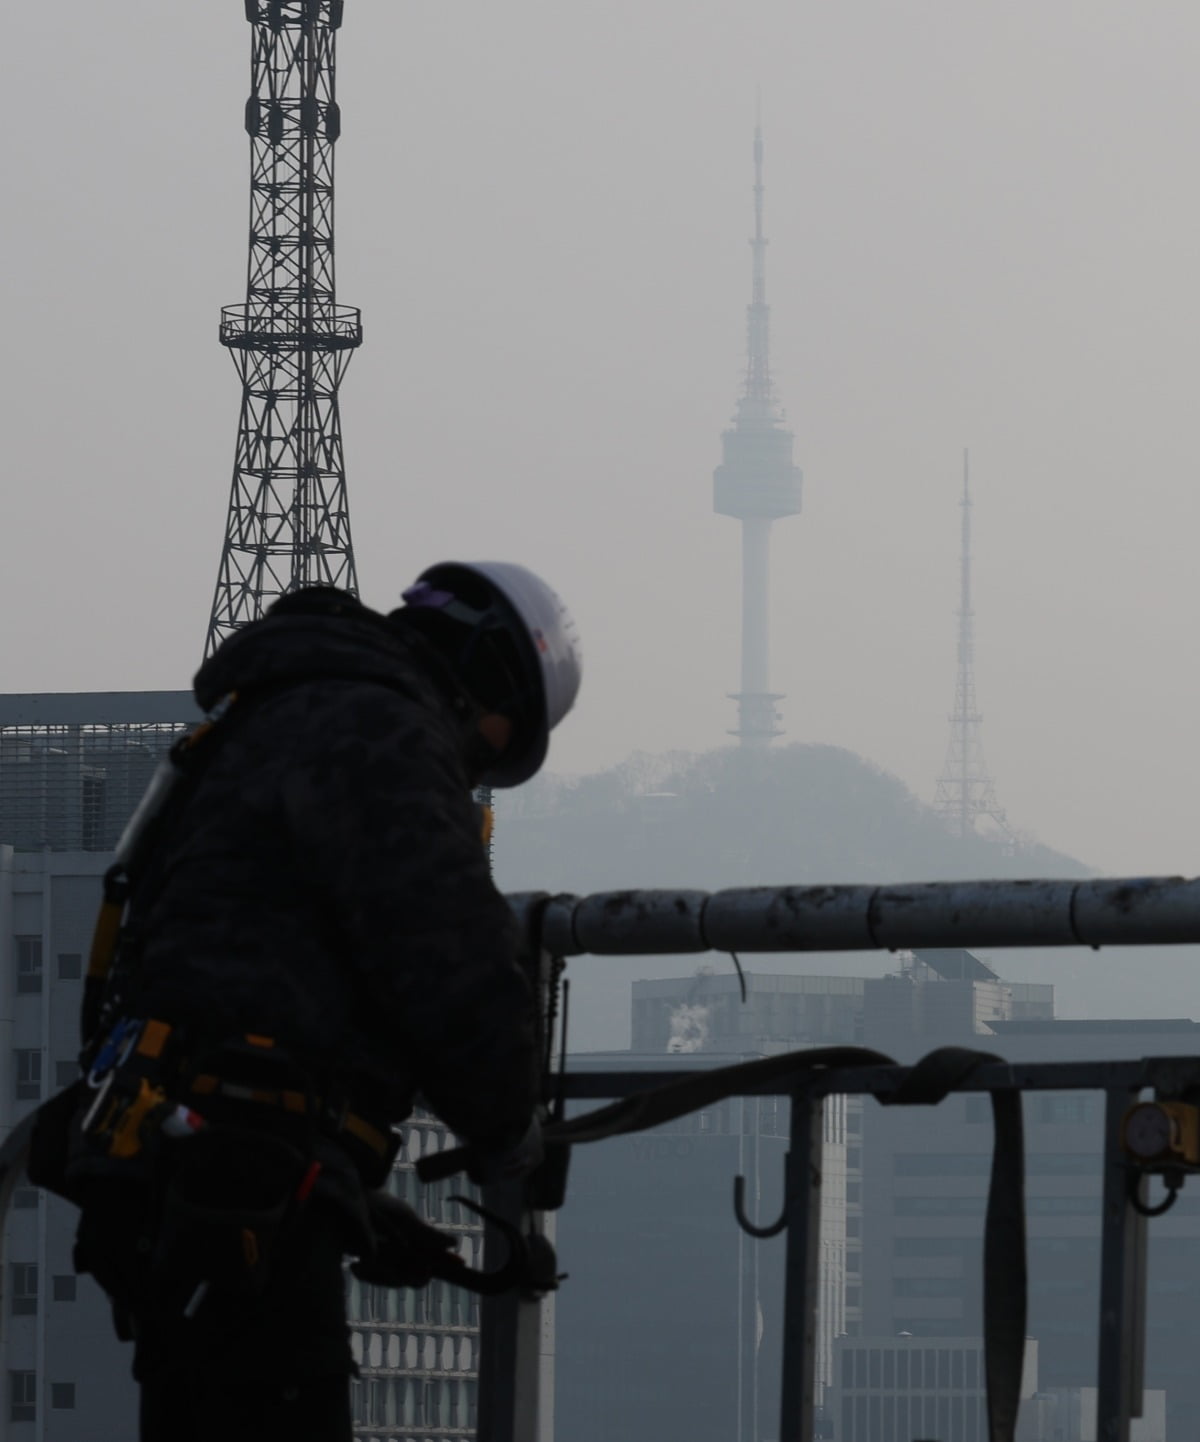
[[984, 228]]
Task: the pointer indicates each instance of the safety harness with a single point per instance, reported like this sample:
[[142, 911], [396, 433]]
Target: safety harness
[[247, 1112], [146, 1077]]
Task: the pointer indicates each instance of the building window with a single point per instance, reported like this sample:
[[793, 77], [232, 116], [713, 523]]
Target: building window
[[22, 1396], [1069, 1108], [29, 964], [933, 1246], [62, 1396], [927, 1287], [28, 1065], [64, 1287], [24, 1284], [92, 797], [70, 966]]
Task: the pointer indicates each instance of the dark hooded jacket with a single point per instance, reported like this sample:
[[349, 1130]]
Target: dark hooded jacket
[[326, 884]]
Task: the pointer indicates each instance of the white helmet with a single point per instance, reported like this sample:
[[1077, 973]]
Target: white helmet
[[524, 607]]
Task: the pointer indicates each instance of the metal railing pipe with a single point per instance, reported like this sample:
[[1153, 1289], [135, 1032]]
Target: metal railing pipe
[[1109, 912]]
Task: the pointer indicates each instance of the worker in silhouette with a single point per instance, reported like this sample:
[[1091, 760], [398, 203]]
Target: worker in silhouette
[[310, 939]]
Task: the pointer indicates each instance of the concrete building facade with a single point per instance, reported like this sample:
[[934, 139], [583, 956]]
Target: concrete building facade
[[909, 1188], [892, 1389], [66, 1378], [669, 1322], [418, 1349], [71, 769], [924, 1199]]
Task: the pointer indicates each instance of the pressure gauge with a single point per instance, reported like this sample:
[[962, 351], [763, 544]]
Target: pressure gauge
[[1149, 1131]]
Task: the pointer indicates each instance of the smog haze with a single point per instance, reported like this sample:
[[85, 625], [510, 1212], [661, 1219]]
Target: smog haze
[[981, 235]]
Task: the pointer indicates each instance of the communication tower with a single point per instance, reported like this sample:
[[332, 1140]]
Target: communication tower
[[289, 520], [756, 483], [965, 791]]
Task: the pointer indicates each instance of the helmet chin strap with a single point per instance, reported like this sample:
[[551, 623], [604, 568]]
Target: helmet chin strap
[[478, 754], [477, 750]]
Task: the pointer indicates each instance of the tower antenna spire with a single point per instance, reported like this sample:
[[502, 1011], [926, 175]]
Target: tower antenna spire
[[965, 790], [288, 523], [758, 397], [756, 483]]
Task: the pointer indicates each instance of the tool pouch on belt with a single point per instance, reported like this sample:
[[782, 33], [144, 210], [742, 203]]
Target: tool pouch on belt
[[226, 1206]]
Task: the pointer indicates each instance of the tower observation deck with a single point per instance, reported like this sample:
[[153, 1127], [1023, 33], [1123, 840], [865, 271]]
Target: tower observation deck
[[756, 483], [289, 520]]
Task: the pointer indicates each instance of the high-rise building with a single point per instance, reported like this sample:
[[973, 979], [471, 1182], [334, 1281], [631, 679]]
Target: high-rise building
[[668, 1324], [903, 1210], [925, 1182], [71, 769], [757, 483], [417, 1349]]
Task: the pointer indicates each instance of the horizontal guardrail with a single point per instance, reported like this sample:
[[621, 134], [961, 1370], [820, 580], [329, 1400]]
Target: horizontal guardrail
[[1117, 912]]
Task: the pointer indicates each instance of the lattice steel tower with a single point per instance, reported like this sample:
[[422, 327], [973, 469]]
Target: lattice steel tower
[[289, 521], [965, 791], [757, 483]]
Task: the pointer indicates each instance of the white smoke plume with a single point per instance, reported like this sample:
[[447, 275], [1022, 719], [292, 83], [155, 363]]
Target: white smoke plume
[[689, 1027]]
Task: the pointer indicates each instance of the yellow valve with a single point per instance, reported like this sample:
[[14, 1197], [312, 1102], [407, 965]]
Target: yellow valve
[[1162, 1133]]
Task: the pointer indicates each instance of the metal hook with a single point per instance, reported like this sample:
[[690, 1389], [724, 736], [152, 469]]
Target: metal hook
[[743, 1221], [489, 1284], [530, 1264]]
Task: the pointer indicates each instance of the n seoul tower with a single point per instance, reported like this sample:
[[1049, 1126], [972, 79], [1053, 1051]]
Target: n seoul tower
[[756, 483]]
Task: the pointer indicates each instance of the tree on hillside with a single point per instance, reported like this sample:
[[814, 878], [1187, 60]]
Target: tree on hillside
[[792, 814]]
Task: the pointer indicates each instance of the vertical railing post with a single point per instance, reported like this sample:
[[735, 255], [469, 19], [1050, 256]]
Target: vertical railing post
[[516, 1384], [498, 1328], [1122, 1286], [802, 1207]]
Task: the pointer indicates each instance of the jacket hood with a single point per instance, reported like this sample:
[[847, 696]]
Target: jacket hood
[[360, 646]]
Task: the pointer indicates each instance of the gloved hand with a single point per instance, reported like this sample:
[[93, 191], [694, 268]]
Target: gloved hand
[[502, 1165], [408, 1251]]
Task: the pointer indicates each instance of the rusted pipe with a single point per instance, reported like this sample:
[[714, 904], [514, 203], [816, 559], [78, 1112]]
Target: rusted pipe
[[1120, 912]]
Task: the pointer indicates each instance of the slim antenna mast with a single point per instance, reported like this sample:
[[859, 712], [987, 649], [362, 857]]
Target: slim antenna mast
[[965, 791]]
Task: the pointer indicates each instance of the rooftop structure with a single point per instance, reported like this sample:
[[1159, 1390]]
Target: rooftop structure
[[74, 764]]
